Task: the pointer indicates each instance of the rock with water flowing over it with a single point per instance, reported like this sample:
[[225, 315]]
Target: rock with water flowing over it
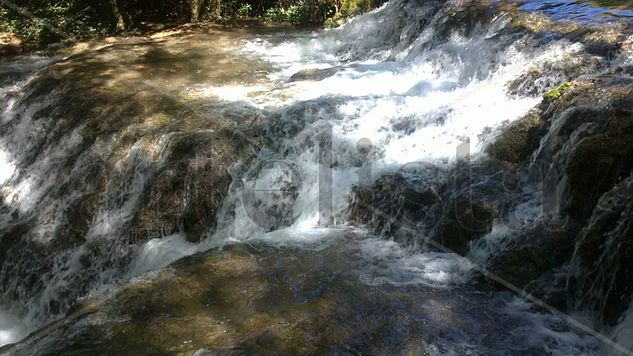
[[451, 207], [111, 159], [533, 253], [517, 140], [258, 298], [604, 275], [589, 142]]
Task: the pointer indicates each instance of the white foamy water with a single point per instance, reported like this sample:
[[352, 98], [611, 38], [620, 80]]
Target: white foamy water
[[7, 167], [12, 327]]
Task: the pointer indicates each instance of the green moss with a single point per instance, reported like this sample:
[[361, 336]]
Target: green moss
[[557, 92]]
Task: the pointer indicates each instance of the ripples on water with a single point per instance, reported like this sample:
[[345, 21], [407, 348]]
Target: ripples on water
[[583, 10]]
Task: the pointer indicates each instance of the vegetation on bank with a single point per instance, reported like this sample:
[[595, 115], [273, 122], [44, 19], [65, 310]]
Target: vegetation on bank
[[48, 21]]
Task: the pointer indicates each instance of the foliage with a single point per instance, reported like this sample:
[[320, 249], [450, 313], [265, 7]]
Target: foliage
[[288, 15], [49, 21], [349, 8], [302, 12], [244, 10], [236, 9], [46, 21]]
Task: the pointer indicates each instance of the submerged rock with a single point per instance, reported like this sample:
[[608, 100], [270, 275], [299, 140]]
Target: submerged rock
[[313, 74]]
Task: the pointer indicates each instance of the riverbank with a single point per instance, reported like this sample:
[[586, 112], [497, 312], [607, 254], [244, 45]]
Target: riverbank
[[38, 25]]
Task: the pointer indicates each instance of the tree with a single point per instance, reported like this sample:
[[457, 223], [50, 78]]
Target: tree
[[196, 6], [120, 23]]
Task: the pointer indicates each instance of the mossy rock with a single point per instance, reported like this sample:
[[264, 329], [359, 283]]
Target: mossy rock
[[539, 80], [518, 139]]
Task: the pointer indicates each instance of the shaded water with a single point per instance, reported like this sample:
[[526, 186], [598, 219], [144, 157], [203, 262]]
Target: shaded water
[[88, 182]]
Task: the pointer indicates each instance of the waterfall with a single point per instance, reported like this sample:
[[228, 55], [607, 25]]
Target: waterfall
[[416, 90]]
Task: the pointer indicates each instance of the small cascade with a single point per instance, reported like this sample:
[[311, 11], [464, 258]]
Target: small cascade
[[413, 139]]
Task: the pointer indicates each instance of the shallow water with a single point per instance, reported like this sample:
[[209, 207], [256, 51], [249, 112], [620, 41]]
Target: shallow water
[[581, 10]]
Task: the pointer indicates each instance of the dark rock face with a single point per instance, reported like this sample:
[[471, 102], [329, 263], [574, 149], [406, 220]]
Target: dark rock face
[[587, 148], [451, 209], [604, 251], [394, 201], [534, 253], [587, 152], [599, 161]]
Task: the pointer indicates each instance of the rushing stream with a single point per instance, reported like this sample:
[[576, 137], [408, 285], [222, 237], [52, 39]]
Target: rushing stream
[[92, 145]]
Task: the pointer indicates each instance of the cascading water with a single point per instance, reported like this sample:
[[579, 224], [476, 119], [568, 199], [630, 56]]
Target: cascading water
[[408, 86]]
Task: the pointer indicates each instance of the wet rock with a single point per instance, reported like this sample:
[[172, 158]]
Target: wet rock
[[394, 201], [11, 236], [609, 157], [187, 193], [313, 74], [604, 250], [243, 299], [587, 147], [132, 160], [534, 253], [450, 206], [468, 218], [537, 81], [256, 298], [517, 140]]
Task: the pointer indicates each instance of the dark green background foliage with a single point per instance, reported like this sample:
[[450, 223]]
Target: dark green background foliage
[[81, 18], [92, 18]]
